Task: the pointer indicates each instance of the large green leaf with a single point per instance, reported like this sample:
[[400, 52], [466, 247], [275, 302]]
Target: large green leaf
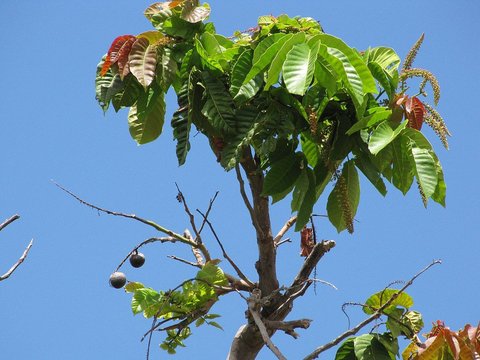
[[246, 118], [383, 78], [146, 117], [264, 53], [346, 351], [283, 174], [181, 125], [129, 94], [384, 134], [425, 170], [371, 172], [354, 58], [106, 86], [277, 62], [239, 90], [208, 62], [310, 149], [403, 167], [218, 106], [299, 67], [380, 298], [167, 69], [143, 61], [375, 116], [385, 57], [343, 201], [326, 76], [304, 198], [367, 347]]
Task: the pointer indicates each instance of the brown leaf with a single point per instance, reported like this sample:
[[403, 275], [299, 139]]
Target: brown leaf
[[306, 241]]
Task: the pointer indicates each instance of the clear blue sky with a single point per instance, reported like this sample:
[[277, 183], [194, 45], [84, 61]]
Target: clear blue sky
[[58, 304]]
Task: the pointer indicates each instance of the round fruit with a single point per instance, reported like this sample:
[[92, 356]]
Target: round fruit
[[118, 280], [137, 259]]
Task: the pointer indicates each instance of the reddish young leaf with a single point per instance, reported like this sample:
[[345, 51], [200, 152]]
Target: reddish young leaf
[[415, 111], [115, 51], [306, 241], [122, 57]]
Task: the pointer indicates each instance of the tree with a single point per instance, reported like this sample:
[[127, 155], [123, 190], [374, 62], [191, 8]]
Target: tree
[[295, 108]]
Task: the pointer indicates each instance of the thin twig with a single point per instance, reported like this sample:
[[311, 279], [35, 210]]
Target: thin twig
[[284, 229], [148, 241], [180, 195], [157, 227], [173, 257], [17, 264], [212, 200], [9, 221], [224, 253], [283, 242], [379, 312], [195, 251], [253, 301]]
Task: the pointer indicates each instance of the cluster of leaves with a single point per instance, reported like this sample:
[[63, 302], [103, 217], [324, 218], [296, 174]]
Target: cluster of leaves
[[441, 343], [188, 303], [303, 100]]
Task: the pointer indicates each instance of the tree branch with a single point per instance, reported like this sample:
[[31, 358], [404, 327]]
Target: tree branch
[[284, 229], [25, 252], [253, 305], [379, 312], [246, 200], [225, 255], [157, 227], [17, 264], [9, 221], [288, 326]]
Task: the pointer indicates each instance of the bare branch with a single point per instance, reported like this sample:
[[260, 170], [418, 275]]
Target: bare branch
[[9, 221], [157, 227], [283, 242], [253, 302], [284, 229], [17, 264], [182, 199], [288, 326], [173, 257], [225, 255], [379, 312], [195, 250], [210, 205]]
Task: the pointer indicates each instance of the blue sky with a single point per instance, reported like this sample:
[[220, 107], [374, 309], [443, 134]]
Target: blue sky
[[58, 305]]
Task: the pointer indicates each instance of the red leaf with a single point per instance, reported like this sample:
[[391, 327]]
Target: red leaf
[[306, 241], [415, 111], [122, 57], [120, 47]]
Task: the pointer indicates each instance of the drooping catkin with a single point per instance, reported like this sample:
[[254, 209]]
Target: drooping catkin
[[436, 122], [426, 75], [345, 203]]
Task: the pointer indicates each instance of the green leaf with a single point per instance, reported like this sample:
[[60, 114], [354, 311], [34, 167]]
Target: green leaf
[[167, 69], [146, 300], [379, 299], [383, 78], [385, 57], [264, 53], [343, 201], [277, 62], [212, 275], [383, 135], [307, 201], [199, 322], [375, 116], [371, 172], [143, 61], [394, 322], [282, 175], [425, 170], [346, 351], [146, 117], [133, 286], [326, 76], [215, 324], [106, 86], [246, 119], [441, 189], [403, 167], [181, 124], [218, 106], [240, 91], [310, 149], [298, 68], [208, 62], [367, 347], [129, 95]]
